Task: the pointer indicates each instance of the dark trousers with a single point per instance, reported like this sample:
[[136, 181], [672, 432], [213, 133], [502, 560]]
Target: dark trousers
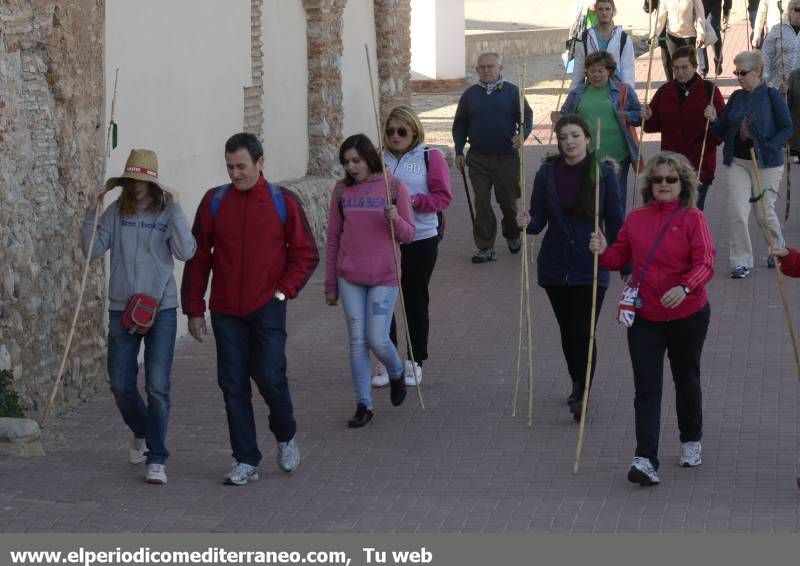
[[573, 308], [417, 261], [666, 59], [502, 173], [254, 346], [682, 340], [702, 191], [714, 18]]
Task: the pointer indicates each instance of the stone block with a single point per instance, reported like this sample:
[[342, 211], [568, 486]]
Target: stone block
[[20, 437]]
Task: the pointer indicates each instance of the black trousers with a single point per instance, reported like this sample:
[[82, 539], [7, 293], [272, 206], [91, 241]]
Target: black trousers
[[682, 340], [573, 308], [417, 261]]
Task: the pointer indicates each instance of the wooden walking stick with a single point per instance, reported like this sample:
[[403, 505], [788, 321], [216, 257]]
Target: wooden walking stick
[[653, 42], [703, 148], [778, 272], [97, 210], [784, 78], [588, 380], [524, 297], [391, 230]]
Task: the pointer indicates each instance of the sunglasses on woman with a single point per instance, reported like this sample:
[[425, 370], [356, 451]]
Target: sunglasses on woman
[[741, 73], [658, 179], [402, 132]]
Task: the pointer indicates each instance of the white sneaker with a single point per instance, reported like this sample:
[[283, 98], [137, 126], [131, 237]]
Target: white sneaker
[[643, 472], [288, 455], [691, 454], [381, 377], [409, 374], [241, 473], [137, 451], [156, 474]]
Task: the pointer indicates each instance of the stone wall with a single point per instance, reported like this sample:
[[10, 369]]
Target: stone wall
[[253, 109], [393, 33], [51, 139]]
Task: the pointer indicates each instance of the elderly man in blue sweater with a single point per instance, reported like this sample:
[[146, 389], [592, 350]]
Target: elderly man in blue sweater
[[487, 117]]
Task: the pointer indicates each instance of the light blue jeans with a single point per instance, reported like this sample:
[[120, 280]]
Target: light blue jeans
[[145, 421], [368, 311]]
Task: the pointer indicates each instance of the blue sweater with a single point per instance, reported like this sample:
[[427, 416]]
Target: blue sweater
[[564, 256], [489, 122], [769, 119]]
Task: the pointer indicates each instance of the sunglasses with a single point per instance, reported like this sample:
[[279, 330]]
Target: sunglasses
[[741, 73], [796, 10], [658, 179], [402, 132]]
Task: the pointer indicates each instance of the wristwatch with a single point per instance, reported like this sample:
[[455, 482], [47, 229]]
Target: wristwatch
[[280, 296], [685, 289]]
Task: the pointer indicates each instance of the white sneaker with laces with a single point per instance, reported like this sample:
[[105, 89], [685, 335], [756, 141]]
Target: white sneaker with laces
[[137, 451], [691, 454], [409, 372], [642, 472], [241, 473], [288, 456], [156, 474], [381, 377]]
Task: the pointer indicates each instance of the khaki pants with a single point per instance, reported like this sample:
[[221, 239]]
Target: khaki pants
[[502, 173], [741, 186]]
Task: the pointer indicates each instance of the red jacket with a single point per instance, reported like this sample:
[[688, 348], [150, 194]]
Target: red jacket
[[682, 125], [685, 256], [251, 253], [790, 264]]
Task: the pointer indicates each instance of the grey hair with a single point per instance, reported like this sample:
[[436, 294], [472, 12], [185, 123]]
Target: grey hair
[[494, 54], [752, 60]]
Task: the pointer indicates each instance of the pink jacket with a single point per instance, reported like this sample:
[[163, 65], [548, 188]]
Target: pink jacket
[[359, 247], [685, 256]]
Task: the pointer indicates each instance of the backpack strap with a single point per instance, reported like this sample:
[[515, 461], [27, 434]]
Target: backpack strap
[[584, 37], [425, 149], [623, 39], [276, 192]]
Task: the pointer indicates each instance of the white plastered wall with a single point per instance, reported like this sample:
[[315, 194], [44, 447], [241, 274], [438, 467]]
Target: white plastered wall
[[183, 65], [359, 28], [437, 39], [285, 100]]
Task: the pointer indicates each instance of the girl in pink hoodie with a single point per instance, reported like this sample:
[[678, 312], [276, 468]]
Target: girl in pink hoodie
[[360, 265]]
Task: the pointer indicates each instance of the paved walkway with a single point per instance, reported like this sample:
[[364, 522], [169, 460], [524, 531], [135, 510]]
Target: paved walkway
[[462, 464]]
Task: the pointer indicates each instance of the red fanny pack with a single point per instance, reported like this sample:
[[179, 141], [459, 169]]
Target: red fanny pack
[[140, 313]]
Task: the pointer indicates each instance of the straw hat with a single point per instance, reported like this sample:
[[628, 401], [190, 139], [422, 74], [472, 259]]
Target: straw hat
[[142, 165]]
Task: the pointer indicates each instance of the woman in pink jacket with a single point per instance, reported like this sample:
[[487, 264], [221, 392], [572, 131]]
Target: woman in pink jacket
[[360, 265], [669, 245]]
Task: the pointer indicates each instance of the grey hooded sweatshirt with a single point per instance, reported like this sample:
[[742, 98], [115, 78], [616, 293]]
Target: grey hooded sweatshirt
[[142, 248]]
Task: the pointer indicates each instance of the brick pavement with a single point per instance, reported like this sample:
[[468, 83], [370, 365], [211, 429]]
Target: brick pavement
[[462, 464]]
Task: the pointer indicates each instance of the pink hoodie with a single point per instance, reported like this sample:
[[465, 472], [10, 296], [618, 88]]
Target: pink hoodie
[[359, 247]]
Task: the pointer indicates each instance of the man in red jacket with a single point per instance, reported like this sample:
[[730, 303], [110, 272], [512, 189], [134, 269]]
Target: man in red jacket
[[679, 110], [255, 237]]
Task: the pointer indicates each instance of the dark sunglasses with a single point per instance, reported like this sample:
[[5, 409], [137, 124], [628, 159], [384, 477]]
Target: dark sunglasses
[[658, 179], [402, 132], [741, 73], [796, 10]]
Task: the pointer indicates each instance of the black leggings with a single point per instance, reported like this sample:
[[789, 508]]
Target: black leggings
[[573, 307], [417, 261]]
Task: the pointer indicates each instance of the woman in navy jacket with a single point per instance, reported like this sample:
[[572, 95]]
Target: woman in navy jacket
[[563, 201], [756, 118]]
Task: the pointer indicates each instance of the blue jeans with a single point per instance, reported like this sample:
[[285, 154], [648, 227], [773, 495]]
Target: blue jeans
[[369, 311], [254, 346], [148, 422]]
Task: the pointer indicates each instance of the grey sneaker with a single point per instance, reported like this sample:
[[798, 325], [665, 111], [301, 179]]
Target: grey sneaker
[[156, 474], [288, 455], [740, 272], [643, 472], [514, 245], [691, 454], [241, 473], [137, 451], [484, 255]]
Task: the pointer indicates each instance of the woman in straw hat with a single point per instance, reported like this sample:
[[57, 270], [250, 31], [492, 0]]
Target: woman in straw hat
[[144, 229]]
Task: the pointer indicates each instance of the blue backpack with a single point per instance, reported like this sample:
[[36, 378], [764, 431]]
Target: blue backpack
[[275, 192]]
